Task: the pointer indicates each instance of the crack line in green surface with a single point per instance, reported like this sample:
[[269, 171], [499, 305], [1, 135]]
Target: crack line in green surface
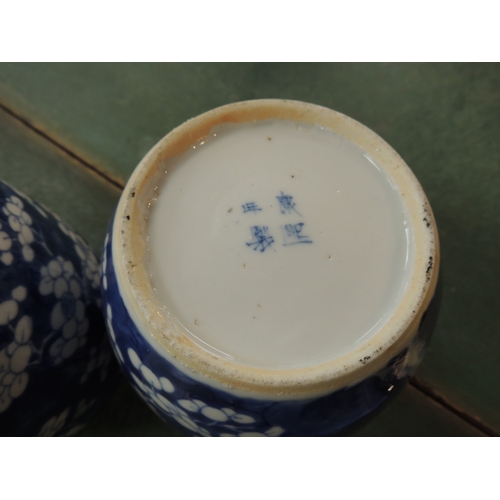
[[426, 390], [431, 393], [116, 183]]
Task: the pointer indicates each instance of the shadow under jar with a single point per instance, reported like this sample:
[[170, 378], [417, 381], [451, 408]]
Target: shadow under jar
[[267, 271]]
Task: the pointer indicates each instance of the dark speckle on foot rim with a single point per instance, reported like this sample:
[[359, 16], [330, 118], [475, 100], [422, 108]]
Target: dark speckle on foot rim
[[269, 139], [429, 267], [230, 210], [127, 217]]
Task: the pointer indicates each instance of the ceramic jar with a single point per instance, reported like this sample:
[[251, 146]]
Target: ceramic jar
[[56, 366], [184, 377]]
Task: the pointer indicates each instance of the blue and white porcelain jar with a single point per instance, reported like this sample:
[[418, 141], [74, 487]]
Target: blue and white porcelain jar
[[56, 366], [268, 271]]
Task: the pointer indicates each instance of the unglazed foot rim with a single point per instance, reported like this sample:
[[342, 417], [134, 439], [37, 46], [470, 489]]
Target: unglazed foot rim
[[167, 335]]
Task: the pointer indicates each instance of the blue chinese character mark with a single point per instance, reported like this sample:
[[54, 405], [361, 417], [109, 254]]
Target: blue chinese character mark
[[287, 205], [292, 234], [250, 207], [261, 239]]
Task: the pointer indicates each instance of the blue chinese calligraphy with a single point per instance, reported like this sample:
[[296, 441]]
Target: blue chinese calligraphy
[[287, 205], [292, 234], [261, 238], [250, 207]]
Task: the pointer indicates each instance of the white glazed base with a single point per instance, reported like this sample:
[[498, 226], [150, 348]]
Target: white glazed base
[[278, 244]]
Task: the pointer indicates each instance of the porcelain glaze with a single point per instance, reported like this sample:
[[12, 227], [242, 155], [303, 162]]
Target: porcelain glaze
[[56, 366], [250, 217], [211, 391]]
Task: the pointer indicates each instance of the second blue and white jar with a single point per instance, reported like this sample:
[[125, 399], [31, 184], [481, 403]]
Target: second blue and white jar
[[56, 364]]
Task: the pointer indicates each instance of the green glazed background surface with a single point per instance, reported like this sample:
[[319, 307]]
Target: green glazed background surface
[[71, 134]]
